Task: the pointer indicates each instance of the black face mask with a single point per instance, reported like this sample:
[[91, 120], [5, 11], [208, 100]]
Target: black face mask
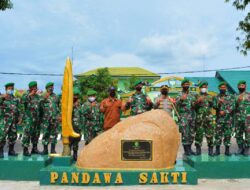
[[112, 94], [222, 91], [138, 88], [164, 92], [185, 88], [241, 89], [75, 99]]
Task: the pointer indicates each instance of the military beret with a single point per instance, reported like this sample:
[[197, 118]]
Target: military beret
[[203, 83], [242, 82], [32, 83], [222, 83], [9, 84], [112, 88], [49, 84], [91, 92], [185, 81], [164, 86], [137, 82], [76, 91]]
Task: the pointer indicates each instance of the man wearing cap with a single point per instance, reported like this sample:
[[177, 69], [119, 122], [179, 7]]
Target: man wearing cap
[[224, 104], [139, 102], [204, 119], [77, 122], [10, 106], [242, 123], [185, 107], [32, 118], [93, 120], [111, 107], [51, 115], [164, 102]]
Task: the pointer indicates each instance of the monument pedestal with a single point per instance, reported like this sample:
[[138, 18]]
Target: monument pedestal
[[220, 167], [22, 168]]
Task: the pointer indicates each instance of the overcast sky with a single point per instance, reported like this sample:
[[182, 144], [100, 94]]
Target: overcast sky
[[160, 35]]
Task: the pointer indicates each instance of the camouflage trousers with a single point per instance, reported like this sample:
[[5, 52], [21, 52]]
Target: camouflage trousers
[[91, 132], [50, 131], [74, 142], [31, 132], [223, 131], [8, 131], [186, 128], [204, 125], [242, 129]]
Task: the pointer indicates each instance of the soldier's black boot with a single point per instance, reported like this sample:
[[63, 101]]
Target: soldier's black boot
[[190, 150], [26, 151], [75, 155], [240, 150], [246, 151], [12, 151], [1, 152], [45, 150], [186, 152], [198, 149], [227, 151], [53, 149], [34, 149], [210, 151], [217, 151]]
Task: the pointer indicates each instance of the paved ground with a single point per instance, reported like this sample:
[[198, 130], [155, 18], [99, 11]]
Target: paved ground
[[232, 184]]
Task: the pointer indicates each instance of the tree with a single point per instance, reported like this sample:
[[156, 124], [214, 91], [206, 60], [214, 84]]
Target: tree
[[100, 82], [5, 4], [243, 27]]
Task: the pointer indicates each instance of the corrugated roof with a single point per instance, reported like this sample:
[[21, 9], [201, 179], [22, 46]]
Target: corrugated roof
[[123, 71], [212, 82], [233, 77]]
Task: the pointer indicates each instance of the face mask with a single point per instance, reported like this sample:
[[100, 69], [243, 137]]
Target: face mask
[[112, 94], [241, 89], [75, 99], [164, 92], [91, 99], [10, 92], [222, 91], [185, 88], [138, 88], [203, 90], [50, 90]]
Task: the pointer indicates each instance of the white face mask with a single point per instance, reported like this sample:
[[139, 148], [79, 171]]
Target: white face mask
[[10, 92], [91, 99], [203, 90]]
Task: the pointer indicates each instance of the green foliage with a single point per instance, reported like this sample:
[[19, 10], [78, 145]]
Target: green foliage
[[243, 27], [100, 82], [5, 4]]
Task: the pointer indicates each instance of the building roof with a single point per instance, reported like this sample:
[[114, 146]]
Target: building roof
[[233, 77], [123, 71], [212, 82]]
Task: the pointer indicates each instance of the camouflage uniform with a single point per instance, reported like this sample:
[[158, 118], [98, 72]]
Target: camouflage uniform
[[77, 122], [139, 103], [50, 122], [241, 125], [204, 120], [32, 119], [10, 114], [186, 121], [93, 121], [224, 122]]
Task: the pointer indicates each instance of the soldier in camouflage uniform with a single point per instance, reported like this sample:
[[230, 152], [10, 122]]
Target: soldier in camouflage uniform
[[32, 118], [185, 107], [10, 117], [242, 127], [223, 103], [51, 115], [139, 102], [204, 119], [93, 120], [77, 122]]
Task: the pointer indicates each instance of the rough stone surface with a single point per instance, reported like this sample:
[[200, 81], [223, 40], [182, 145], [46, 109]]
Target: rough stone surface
[[156, 125]]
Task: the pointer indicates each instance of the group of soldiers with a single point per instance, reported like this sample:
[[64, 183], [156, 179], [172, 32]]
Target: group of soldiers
[[42, 113]]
